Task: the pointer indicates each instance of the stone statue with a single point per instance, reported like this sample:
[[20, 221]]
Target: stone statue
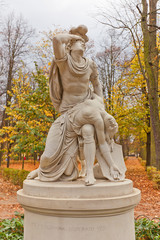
[[84, 127]]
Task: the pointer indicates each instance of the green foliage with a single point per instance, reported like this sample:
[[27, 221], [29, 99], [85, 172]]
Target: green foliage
[[30, 114], [12, 229], [15, 176], [147, 229]]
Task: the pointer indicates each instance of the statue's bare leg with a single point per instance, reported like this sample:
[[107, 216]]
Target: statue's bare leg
[[83, 168], [89, 152], [105, 150], [82, 173]]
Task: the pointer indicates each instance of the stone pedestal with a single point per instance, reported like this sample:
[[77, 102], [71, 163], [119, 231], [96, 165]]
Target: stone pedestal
[[70, 210]]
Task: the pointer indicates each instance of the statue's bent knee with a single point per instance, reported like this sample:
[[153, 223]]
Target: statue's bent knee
[[88, 133], [45, 160], [87, 130], [69, 169]]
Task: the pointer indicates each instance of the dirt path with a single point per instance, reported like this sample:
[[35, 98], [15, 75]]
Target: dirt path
[[150, 198], [8, 199], [149, 205]]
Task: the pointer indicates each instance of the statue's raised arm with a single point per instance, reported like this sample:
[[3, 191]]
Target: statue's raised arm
[[60, 42]]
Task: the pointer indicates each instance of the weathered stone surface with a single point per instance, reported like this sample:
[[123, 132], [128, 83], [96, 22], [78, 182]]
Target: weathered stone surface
[[68, 210], [56, 207], [84, 128]]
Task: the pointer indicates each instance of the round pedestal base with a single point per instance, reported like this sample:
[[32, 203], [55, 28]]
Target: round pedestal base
[[70, 210]]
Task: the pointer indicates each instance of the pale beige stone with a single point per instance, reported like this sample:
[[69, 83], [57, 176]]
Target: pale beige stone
[[83, 118], [56, 207], [69, 210]]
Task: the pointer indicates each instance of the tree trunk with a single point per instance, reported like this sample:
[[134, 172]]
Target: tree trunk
[[20, 156], [35, 158], [148, 149], [148, 120], [23, 162], [8, 155], [109, 100], [1, 153], [1, 158], [151, 68]]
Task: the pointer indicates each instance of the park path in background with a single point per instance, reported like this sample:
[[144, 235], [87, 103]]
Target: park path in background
[[8, 199], [150, 199]]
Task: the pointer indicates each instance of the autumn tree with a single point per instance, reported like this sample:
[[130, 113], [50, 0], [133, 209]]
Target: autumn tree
[[43, 49], [151, 60], [14, 47], [27, 86], [131, 86], [138, 20], [109, 62], [14, 43], [31, 113]]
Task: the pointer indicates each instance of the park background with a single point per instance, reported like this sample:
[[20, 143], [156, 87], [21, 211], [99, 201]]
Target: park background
[[124, 43]]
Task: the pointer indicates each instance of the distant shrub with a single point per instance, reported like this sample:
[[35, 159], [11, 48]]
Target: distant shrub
[[147, 229], [140, 159], [15, 176], [151, 171], [12, 229], [154, 175], [156, 180], [143, 162]]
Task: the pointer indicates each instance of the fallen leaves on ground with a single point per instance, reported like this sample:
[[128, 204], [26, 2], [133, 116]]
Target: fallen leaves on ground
[[28, 166], [150, 199], [8, 199]]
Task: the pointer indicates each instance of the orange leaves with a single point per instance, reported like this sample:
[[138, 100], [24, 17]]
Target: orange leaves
[[149, 204], [8, 199]]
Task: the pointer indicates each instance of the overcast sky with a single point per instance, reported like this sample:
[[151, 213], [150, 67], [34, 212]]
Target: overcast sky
[[44, 14]]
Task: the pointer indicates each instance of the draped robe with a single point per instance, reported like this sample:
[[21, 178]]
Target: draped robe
[[62, 140]]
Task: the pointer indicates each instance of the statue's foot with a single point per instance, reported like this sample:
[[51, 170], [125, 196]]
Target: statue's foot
[[83, 171], [115, 173], [33, 174], [90, 180], [81, 174]]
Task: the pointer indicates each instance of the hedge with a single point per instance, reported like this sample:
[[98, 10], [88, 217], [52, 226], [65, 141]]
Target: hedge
[[15, 176]]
